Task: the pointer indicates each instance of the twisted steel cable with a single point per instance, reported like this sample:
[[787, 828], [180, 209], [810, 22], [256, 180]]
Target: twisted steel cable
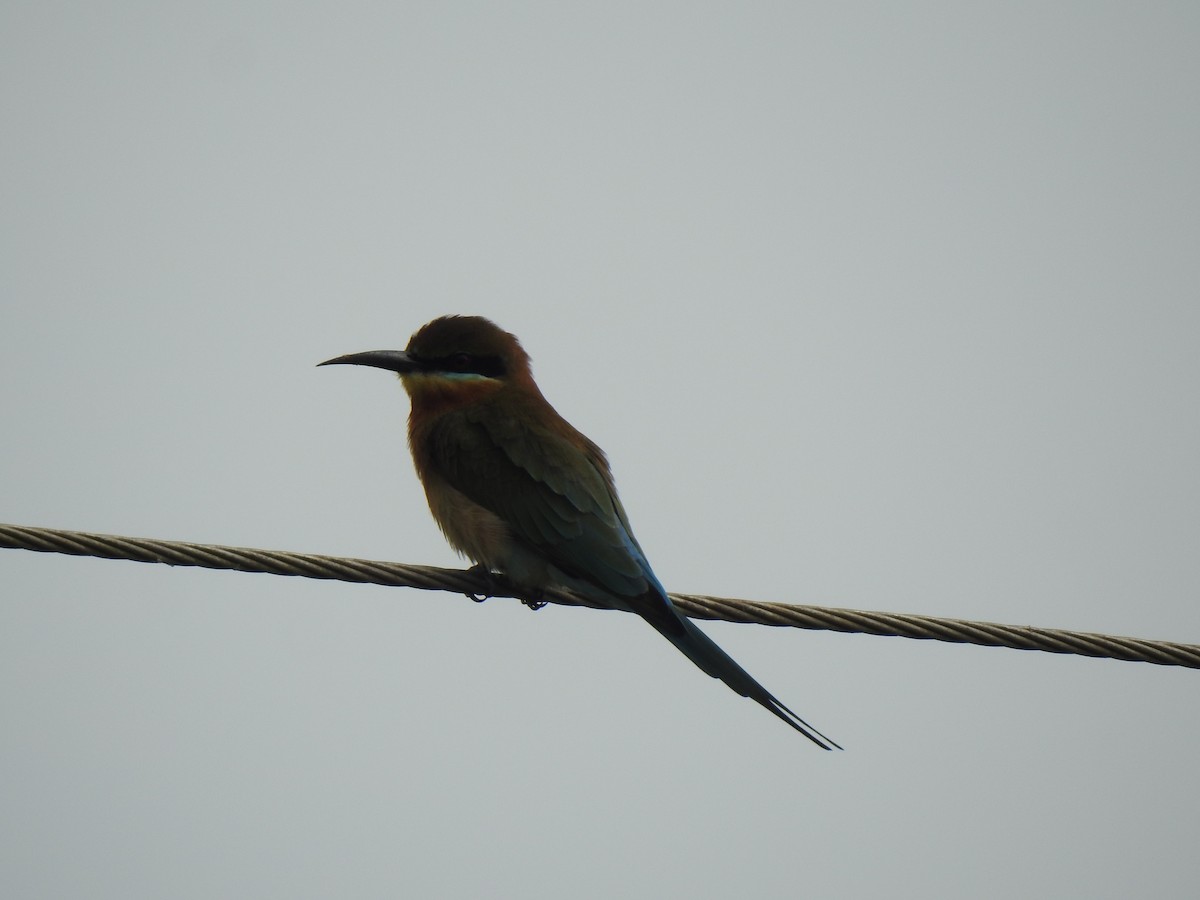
[[477, 584]]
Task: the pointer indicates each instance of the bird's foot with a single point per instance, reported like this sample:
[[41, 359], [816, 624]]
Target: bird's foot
[[498, 583], [534, 601], [484, 573]]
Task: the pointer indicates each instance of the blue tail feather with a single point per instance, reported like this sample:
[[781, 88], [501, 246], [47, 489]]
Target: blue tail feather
[[710, 658]]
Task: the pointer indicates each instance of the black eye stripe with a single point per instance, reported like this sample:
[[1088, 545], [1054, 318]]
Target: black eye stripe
[[467, 363]]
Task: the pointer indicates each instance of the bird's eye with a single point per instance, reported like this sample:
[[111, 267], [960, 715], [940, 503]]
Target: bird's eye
[[459, 362]]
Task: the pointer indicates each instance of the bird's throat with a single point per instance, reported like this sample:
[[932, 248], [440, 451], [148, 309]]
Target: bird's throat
[[433, 393]]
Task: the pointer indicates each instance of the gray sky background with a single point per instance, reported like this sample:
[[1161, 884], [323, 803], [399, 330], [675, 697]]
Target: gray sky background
[[885, 306]]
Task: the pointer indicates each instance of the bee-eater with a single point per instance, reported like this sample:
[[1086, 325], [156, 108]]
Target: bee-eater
[[518, 490]]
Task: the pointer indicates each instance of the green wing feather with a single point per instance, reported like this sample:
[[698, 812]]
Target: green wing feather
[[556, 498]]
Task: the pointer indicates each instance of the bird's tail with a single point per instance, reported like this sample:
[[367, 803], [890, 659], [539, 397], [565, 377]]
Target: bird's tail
[[704, 652]]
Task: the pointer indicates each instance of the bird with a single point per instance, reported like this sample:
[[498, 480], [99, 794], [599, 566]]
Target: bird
[[518, 490]]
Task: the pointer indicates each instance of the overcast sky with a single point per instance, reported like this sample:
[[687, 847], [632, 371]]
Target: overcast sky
[[885, 306]]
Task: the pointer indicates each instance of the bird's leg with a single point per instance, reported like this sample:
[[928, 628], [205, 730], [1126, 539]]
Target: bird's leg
[[530, 597], [534, 600], [479, 570]]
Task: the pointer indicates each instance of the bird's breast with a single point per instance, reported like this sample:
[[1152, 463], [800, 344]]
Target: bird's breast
[[473, 531]]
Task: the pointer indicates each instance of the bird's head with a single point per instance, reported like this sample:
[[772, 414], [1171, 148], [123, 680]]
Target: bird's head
[[451, 361]]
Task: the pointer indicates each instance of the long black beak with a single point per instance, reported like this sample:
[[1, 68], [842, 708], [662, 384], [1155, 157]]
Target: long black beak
[[393, 360]]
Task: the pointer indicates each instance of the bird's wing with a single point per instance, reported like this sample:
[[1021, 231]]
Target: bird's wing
[[556, 498]]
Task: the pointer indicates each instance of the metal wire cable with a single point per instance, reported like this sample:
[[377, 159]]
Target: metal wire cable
[[481, 584]]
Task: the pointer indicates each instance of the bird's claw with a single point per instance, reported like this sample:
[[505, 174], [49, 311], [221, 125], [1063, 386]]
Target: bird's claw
[[484, 573], [533, 600]]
